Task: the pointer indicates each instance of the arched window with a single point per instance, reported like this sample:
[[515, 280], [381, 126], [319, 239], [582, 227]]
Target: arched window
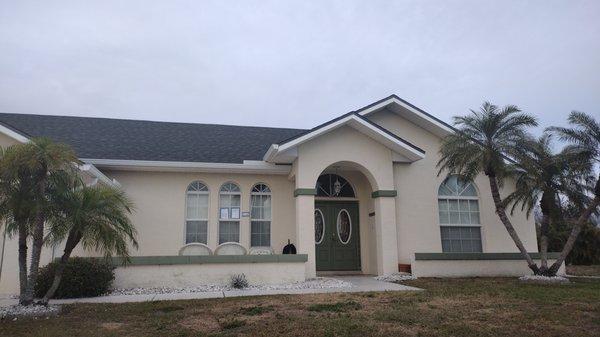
[[229, 213], [333, 186], [458, 207], [196, 213], [260, 216]]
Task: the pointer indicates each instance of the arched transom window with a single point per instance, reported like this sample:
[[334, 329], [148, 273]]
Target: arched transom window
[[260, 216], [196, 213], [334, 186], [458, 207], [229, 213]]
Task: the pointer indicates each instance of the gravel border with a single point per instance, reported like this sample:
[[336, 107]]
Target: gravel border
[[395, 277], [36, 311], [315, 283], [544, 279]]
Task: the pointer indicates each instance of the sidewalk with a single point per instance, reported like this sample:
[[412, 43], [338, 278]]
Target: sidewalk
[[359, 284]]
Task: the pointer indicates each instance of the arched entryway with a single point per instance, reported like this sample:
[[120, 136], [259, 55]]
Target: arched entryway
[[337, 224]]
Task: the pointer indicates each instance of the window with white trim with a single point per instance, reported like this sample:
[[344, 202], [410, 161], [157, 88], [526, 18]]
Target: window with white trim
[[458, 206], [196, 213], [229, 213], [260, 216]]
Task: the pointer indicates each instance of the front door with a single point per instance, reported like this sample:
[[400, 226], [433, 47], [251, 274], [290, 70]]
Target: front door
[[337, 236]]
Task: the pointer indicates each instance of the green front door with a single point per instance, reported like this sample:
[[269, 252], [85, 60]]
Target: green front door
[[337, 236]]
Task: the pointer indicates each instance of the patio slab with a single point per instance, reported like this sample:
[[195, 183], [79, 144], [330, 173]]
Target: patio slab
[[362, 283]]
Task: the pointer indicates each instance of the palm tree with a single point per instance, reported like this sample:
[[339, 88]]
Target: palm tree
[[27, 170], [95, 216], [16, 209], [482, 143], [542, 178], [585, 138]]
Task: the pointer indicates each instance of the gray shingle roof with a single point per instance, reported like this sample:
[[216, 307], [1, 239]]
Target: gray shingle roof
[[103, 138]]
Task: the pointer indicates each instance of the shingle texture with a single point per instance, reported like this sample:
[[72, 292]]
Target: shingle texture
[[103, 138]]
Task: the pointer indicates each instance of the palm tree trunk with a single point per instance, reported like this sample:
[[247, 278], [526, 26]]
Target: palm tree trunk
[[38, 242], [36, 252], [71, 243], [509, 227], [544, 243], [583, 218], [22, 262]]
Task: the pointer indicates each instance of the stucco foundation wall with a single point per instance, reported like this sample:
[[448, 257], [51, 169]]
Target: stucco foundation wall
[[473, 268], [416, 204], [189, 275]]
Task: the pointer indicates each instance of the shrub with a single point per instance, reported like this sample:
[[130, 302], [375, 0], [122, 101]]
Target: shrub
[[82, 277], [238, 281]]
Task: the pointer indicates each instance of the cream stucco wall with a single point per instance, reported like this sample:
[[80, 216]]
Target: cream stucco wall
[[159, 198], [416, 204], [474, 268]]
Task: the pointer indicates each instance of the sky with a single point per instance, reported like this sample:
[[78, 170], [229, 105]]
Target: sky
[[296, 63]]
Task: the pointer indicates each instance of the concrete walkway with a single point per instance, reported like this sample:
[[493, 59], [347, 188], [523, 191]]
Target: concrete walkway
[[359, 284]]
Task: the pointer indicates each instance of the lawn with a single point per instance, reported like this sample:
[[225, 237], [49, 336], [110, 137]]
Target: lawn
[[449, 307], [593, 270]]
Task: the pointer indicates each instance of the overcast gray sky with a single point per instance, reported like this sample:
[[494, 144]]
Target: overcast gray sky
[[296, 63]]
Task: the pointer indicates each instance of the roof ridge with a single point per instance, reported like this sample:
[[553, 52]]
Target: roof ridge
[[150, 121]]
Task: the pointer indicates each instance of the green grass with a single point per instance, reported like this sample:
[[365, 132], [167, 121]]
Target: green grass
[[448, 307]]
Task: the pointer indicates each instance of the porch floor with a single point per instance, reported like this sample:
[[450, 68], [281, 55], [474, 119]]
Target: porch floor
[[360, 283]]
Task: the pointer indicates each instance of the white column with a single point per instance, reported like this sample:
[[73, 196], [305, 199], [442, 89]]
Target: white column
[[385, 235], [305, 231]]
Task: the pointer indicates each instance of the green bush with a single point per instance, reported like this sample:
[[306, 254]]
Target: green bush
[[83, 277]]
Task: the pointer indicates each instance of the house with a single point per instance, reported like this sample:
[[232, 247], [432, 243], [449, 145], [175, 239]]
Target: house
[[358, 194]]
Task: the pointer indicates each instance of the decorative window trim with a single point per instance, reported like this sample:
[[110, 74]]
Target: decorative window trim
[[188, 191], [323, 230], [219, 219], [337, 226], [443, 197], [265, 191], [330, 192]]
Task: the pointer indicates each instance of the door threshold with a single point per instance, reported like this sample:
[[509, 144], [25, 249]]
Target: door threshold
[[339, 273]]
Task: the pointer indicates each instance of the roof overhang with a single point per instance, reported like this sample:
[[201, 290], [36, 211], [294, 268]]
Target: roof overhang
[[248, 166], [410, 112], [286, 152]]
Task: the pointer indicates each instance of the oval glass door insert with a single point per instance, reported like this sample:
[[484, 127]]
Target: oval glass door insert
[[319, 226], [344, 226]]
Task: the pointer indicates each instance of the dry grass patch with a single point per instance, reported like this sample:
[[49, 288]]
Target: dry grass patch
[[593, 270], [448, 307]]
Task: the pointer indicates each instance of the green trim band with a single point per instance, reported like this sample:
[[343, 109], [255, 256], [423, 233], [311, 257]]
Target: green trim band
[[478, 256], [384, 193], [305, 191], [207, 259]]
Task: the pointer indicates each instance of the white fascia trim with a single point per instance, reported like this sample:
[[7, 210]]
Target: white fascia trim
[[252, 167], [387, 102], [14, 135], [87, 167], [403, 148], [271, 152]]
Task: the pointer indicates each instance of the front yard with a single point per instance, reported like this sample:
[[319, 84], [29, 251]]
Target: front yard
[[448, 307]]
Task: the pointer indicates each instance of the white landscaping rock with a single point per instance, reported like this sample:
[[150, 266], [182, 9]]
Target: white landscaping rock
[[316, 283], [548, 279], [15, 311], [395, 277]]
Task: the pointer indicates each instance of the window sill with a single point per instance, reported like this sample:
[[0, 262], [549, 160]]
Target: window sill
[[209, 259], [477, 256]]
